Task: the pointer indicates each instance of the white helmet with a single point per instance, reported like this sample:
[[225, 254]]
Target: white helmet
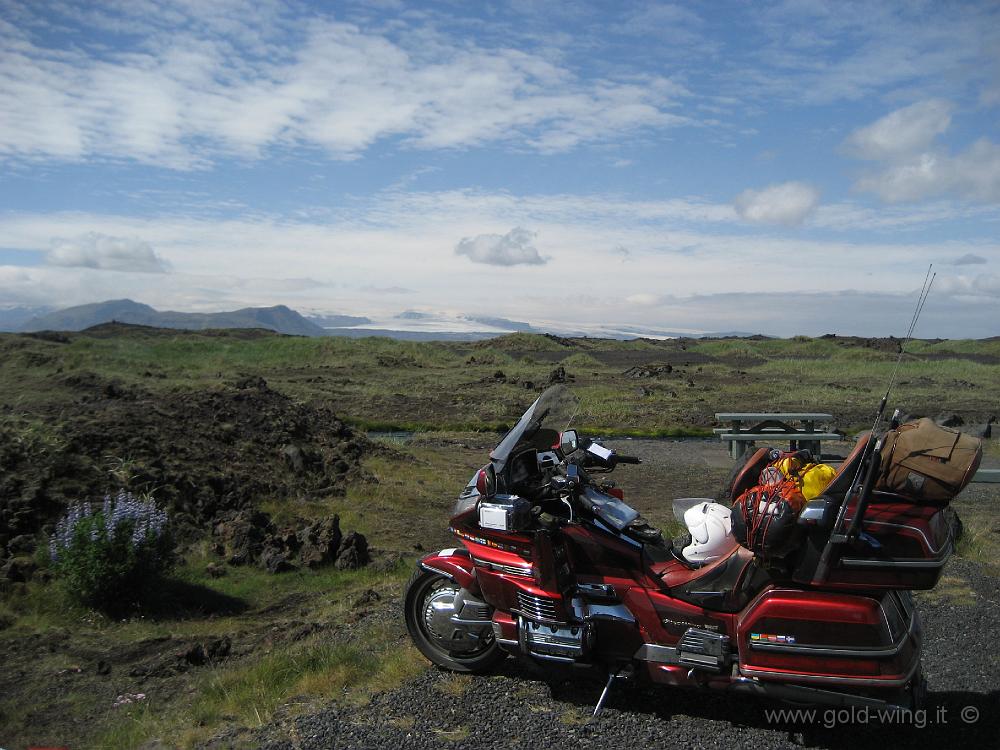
[[710, 525]]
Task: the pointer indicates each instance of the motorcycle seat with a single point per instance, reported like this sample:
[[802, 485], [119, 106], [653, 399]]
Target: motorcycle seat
[[726, 584], [675, 570]]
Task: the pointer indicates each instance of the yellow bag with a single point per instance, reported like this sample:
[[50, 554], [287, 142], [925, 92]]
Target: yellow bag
[[814, 479]]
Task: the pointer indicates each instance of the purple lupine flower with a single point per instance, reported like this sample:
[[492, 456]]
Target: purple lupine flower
[[145, 521]]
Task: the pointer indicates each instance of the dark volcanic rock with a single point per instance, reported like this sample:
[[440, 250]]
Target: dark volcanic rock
[[320, 542], [559, 375], [275, 560], [241, 536], [207, 653], [353, 552], [206, 453], [648, 371]]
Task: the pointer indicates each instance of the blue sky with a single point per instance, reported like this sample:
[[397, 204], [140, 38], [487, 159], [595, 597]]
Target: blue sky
[[787, 167]]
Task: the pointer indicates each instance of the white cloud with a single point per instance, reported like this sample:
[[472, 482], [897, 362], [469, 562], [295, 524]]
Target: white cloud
[[973, 174], [913, 167], [184, 94], [901, 133], [788, 203], [511, 249], [99, 251]]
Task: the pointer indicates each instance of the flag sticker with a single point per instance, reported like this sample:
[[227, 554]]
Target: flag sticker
[[771, 638]]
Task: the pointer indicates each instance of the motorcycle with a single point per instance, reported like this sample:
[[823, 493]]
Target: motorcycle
[[556, 568]]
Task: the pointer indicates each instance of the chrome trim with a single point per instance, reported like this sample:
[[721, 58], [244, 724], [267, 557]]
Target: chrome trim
[[516, 570], [824, 679], [432, 569], [804, 649], [533, 618], [657, 654], [613, 612], [807, 650], [904, 526], [536, 606], [859, 562]]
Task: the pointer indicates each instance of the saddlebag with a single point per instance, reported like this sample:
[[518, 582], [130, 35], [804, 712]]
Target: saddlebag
[[834, 640], [927, 463]]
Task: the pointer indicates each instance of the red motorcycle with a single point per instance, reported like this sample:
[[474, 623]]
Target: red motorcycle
[[555, 567]]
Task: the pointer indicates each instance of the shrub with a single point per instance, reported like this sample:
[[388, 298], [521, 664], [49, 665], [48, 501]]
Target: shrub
[[107, 556]]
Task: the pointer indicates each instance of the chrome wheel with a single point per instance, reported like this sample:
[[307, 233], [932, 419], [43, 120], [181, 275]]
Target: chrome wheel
[[430, 603]]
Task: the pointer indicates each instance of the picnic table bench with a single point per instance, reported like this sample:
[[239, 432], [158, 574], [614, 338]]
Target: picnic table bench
[[798, 428]]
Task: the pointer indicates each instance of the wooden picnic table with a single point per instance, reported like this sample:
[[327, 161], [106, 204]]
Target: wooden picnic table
[[798, 428]]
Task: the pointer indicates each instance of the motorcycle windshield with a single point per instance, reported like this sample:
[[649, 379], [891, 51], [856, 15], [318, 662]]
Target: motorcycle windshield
[[540, 425]]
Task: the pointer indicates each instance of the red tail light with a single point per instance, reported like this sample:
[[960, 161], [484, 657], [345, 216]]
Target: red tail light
[[617, 492], [481, 482]]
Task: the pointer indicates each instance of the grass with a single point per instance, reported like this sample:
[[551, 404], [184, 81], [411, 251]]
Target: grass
[[951, 590], [293, 678], [382, 384], [349, 659], [423, 387]]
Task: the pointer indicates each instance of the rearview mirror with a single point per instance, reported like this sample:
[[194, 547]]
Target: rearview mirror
[[486, 481], [568, 442]]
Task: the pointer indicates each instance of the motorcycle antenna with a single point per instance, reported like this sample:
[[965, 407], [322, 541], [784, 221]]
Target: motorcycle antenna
[[873, 447], [921, 299]]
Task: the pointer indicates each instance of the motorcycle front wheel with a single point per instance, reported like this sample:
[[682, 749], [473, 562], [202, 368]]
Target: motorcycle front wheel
[[424, 589]]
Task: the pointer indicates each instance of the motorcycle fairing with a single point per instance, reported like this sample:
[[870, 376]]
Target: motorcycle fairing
[[455, 563]]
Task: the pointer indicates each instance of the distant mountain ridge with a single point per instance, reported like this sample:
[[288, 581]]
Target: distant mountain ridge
[[279, 318], [12, 317]]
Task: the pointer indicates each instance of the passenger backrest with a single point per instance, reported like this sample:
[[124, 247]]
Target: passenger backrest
[[844, 477], [747, 476]]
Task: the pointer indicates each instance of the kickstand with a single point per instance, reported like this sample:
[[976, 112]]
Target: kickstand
[[604, 694], [625, 674]]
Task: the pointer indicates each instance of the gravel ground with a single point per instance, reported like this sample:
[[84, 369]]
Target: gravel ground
[[520, 706]]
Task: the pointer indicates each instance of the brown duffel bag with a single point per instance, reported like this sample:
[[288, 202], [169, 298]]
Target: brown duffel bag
[[929, 464]]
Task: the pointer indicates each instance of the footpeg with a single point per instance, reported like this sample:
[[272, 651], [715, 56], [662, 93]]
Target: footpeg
[[703, 649]]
